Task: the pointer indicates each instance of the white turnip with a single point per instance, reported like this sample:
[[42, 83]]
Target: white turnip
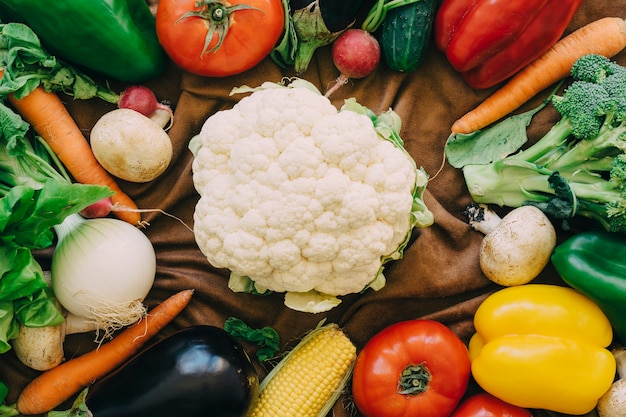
[[356, 54], [131, 146]]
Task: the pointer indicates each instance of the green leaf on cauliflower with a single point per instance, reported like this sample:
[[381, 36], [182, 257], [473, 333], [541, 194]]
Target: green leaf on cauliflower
[[239, 283], [301, 198], [311, 301]]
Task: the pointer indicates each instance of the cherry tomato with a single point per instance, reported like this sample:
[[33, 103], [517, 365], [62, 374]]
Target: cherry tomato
[[217, 38], [486, 405], [416, 368]]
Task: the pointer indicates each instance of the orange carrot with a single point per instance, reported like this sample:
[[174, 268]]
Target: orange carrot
[[58, 384], [606, 36], [49, 117]]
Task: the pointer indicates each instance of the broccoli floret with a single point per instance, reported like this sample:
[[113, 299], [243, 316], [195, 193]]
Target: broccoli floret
[[578, 168], [616, 209], [615, 107], [577, 103], [617, 173], [593, 68]]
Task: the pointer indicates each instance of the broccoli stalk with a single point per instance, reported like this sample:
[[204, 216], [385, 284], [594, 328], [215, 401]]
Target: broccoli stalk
[[578, 168]]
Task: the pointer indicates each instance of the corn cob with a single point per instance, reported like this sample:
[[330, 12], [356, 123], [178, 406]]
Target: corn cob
[[310, 378]]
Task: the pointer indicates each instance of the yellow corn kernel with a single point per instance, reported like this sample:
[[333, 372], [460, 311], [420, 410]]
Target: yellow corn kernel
[[309, 380]]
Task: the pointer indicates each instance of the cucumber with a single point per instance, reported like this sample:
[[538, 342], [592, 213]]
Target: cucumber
[[404, 35]]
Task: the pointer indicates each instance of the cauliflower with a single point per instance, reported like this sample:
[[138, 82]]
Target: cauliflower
[[298, 197]]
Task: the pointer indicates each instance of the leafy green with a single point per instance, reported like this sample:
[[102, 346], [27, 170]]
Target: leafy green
[[495, 142], [27, 214], [5, 410], [284, 53], [34, 197], [27, 65], [509, 136], [266, 338], [20, 276]]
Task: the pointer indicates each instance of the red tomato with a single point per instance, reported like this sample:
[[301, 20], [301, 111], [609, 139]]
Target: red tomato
[[486, 405], [249, 30], [422, 357]]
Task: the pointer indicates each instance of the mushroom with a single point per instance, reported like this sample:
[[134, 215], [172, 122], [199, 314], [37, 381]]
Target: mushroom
[[516, 247]]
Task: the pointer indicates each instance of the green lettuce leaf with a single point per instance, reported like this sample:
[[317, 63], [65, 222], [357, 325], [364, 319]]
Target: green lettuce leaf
[[27, 66], [35, 195], [21, 274]]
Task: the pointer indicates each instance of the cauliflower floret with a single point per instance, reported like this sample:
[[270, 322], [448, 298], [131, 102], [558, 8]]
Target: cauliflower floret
[[302, 159], [298, 196], [269, 111], [246, 166]]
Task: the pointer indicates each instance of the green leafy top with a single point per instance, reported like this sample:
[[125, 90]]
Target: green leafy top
[[27, 65], [35, 192], [34, 197]]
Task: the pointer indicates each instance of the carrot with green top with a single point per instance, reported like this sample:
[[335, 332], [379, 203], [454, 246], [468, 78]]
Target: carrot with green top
[[58, 384], [606, 36]]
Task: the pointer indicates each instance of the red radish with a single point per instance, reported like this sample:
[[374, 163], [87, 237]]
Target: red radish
[[142, 100], [356, 53], [105, 207], [100, 208]]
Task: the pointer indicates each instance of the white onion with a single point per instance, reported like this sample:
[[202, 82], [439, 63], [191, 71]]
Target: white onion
[[102, 269]]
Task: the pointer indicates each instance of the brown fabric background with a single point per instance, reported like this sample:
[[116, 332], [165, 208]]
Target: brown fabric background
[[438, 278]]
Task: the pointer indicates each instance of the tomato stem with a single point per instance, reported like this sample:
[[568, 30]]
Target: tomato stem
[[414, 380], [217, 17]]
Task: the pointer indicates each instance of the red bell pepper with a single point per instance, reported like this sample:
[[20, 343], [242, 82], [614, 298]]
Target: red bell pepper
[[488, 41]]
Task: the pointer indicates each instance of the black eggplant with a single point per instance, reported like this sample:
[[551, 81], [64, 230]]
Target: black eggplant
[[196, 372], [318, 23]]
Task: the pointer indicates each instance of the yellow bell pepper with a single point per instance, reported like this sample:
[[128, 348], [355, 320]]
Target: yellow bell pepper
[[543, 346]]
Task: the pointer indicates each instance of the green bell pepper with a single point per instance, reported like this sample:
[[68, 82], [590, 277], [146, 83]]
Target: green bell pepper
[[111, 38], [594, 263]]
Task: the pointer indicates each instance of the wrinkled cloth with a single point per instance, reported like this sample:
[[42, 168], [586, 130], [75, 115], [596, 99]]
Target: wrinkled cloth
[[439, 276]]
